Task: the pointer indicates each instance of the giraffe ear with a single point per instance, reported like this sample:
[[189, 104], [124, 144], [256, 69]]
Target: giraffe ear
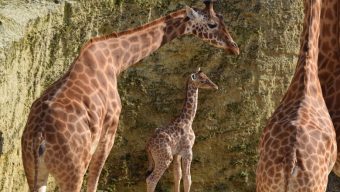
[[191, 13]]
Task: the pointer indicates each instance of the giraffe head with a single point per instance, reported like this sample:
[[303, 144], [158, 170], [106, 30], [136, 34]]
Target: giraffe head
[[201, 80], [209, 26]]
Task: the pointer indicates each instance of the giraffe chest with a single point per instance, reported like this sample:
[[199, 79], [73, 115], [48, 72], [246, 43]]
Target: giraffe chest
[[185, 143]]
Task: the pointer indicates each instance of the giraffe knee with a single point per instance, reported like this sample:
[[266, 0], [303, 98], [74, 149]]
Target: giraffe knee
[[150, 184], [187, 179], [150, 181], [150, 177]]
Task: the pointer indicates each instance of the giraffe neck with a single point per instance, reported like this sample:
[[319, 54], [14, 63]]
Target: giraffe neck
[[154, 36], [190, 104], [329, 41], [312, 41], [128, 47], [329, 45], [305, 81]]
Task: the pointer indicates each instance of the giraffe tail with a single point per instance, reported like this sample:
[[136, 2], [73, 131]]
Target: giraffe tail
[[294, 167], [38, 149], [151, 163]]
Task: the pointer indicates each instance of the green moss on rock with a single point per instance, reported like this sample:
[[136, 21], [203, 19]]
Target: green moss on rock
[[39, 40]]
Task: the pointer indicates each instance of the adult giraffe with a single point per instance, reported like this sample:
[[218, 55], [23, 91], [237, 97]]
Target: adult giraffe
[[329, 65], [298, 146], [71, 127]]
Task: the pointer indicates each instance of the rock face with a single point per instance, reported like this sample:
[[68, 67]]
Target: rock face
[[39, 40]]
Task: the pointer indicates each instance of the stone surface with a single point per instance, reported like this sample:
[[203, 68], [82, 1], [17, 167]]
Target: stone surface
[[38, 41]]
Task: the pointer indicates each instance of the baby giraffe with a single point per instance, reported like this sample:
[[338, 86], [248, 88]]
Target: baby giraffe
[[175, 140]]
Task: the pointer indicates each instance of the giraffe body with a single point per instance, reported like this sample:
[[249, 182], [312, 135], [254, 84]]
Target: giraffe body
[[175, 141], [328, 62], [71, 127], [298, 147]]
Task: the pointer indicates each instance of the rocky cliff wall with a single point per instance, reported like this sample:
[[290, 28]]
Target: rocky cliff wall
[[39, 39]]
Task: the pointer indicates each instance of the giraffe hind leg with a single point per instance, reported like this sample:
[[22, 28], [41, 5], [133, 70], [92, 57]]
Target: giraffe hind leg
[[41, 183], [162, 162], [154, 177], [34, 166], [42, 176]]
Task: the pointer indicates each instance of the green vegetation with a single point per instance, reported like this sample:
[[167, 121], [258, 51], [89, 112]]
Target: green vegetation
[[38, 41]]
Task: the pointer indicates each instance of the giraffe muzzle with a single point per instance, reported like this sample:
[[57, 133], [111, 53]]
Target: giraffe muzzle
[[216, 87], [213, 85], [233, 48]]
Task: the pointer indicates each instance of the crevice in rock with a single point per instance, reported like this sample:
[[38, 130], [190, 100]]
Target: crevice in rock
[[1, 143]]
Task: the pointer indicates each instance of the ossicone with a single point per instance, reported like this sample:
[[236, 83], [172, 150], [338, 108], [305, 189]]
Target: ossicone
[[209, 4]]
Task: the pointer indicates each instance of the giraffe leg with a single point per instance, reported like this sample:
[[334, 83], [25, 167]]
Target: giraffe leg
[[70, 178], [150, 163], [73, 183], [29, 167], [68, 163], [186, 162], [177, 172], [42, 176], [161, 165], [98, 160]]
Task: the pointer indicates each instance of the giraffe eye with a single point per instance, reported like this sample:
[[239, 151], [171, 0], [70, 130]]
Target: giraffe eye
[[212, 25], [193, 76]]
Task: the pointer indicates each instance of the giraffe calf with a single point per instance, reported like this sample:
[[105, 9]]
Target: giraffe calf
[[175, 141]]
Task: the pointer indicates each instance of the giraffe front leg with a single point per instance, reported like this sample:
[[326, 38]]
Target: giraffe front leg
[[177, 172], [186, 162], [99, 158]]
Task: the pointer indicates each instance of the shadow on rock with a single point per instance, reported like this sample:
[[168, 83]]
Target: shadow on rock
[[333, 183], [1, 143]]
